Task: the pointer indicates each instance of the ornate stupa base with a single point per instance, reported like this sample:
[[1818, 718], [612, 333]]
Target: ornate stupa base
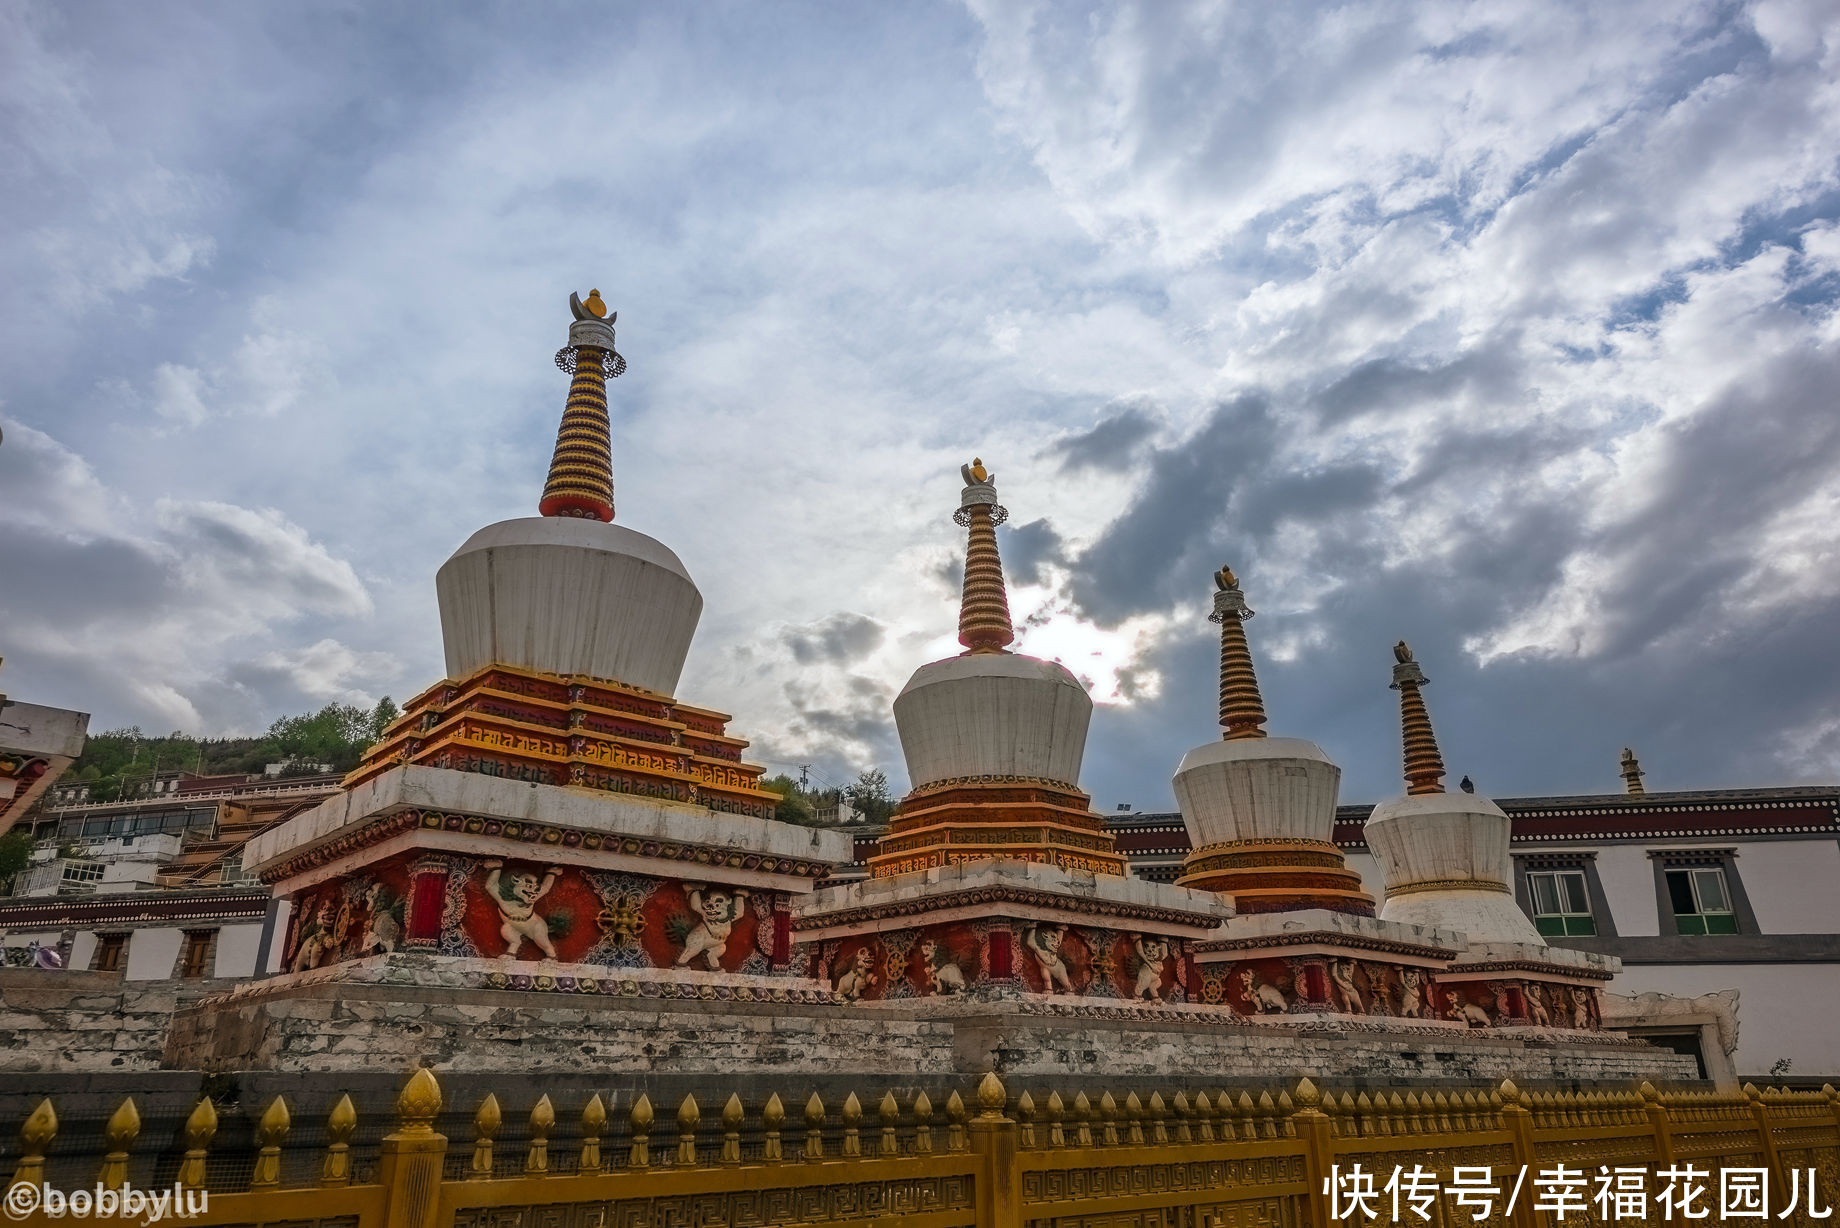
[[1526, 985], [1315, 962], [529, 879], [1277, 875], [572, 729], [1006, 927], [955, 822]]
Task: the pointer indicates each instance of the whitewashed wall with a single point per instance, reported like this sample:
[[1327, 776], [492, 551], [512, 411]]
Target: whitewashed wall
[[238, 947], [1784, 1010]]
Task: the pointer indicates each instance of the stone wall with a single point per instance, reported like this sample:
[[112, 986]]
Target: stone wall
[[52, 1021], [341, 1026]]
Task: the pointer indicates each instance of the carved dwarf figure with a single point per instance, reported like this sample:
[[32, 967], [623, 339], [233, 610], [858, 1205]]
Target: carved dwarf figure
[[1341, 971], [1581, 1007], [1044, 944], [381, 930], [1152, 954], [1411, 993], [719, 909], [859, 978], [519, 910], [1266, 998], [314, 941], [943, 975], [1537, 1014]]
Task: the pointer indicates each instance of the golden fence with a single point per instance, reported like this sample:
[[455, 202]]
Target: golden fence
[[1183, 1161]]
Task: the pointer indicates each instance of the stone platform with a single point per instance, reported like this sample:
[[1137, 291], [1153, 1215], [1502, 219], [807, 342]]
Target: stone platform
[[404, 1011]]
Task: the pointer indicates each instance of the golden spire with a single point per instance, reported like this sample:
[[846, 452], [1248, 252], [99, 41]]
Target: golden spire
[[1242, 710], [1424, 766], [1632, 774], [581, 471], [983, 617]]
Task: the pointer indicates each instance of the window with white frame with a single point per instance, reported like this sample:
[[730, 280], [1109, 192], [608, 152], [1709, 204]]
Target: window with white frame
[[1702, 901], [1560, 903]]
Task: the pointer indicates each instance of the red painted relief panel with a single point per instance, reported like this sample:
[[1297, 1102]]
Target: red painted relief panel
[[1144, 967], [944, 960], [695, 925], [1055, 958], [529, 910]]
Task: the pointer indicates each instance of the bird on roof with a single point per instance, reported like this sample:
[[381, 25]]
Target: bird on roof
[[1467, 785]]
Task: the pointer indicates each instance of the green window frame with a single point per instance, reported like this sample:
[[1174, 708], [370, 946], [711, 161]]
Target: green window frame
[[1561, 905], [1702, 900]]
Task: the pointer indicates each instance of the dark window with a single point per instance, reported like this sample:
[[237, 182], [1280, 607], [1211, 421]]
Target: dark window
[[110, 948], [1702, 905], [197, 954], [1560, 904]]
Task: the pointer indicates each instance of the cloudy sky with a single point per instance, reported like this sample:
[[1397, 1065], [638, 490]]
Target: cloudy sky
[[1507, 328]]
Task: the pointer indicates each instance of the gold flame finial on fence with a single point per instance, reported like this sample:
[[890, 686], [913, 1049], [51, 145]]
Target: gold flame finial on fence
[[271, 1131], [340, 1124], [1632, 773], [1242, 708], [200, 1129], [983, 615], [419, 1102], [123, 1127], [1424, 766]]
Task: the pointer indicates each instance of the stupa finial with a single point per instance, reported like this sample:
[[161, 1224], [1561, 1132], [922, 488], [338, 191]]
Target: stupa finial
[[1424, 766], [983, 617], [1242, 709], [581, 471], [1632, 774]]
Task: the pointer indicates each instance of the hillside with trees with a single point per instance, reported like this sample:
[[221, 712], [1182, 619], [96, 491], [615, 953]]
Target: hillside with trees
[[117, 762]]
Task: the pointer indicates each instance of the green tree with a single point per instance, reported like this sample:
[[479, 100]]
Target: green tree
[[793, 806], [869, 795], [381, 716], [15, 855]]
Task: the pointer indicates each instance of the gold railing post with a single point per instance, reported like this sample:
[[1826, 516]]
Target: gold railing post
[[994, 1137], [200, 1129], [1519, 1122], [409, 1158], [1766, 1140], [271, 1132], [1318, 1152], [593, 1123], [336, 1170], [542, 1121], [1833, 1107], [34, 1137], [1659, 1123], [123, 1128]]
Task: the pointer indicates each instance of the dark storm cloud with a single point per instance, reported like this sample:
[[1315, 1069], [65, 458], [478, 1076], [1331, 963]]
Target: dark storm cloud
[[1110, 446], [1383, 384], [1025, 548], [839, 639], [1669, 657]]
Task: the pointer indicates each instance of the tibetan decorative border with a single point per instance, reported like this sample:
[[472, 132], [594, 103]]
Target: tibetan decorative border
[[999, 895], [377, 830], [125, 908], [1538, 967], [1325, 938]]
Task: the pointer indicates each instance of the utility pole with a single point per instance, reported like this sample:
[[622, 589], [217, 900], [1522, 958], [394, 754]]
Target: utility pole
[[804, 777]]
